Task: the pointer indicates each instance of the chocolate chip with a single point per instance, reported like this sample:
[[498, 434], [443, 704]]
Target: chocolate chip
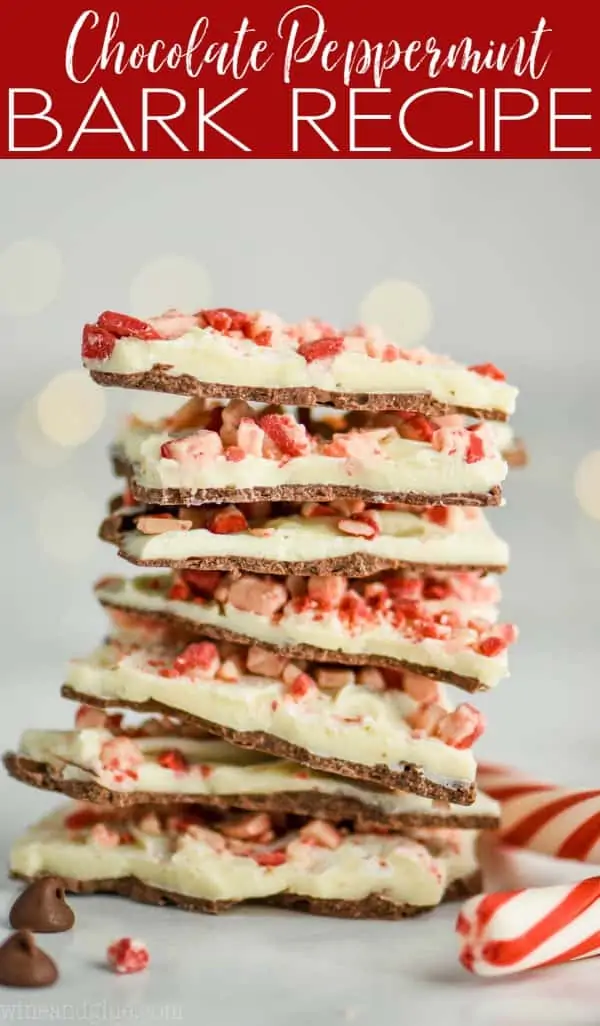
[[23, 964], [41, 907]]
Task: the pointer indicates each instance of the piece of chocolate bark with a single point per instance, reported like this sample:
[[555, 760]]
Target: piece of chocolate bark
[[170, 766], [403, 736], [209, 861], [257, 356], [236, 453], [440, 626], [345, 536]]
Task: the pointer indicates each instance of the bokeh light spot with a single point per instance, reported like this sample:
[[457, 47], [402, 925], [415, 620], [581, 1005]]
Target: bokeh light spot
[[71, 408], [170, 281], [587, 484], [36, 448], [401, 309]]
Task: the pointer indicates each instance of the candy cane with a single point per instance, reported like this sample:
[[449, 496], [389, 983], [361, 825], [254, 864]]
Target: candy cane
[[511, 931], [543, 817]]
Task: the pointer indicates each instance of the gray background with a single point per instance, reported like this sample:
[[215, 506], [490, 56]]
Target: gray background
[[507, 256]]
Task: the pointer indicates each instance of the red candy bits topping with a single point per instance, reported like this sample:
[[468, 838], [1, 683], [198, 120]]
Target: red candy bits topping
[[312, 510], [417, 427], [488, 370], [88, 717], [461, 728], [235, 431], [300, 686], [321, 349], [121, 757], [491, 647], [328, 592], [475, 449], [236, 323], [104, 836], [264, 595], [127, 956], [234, 454], [290, 437], [179, 590], [201, 447], [173, 760], [96, 343], [362, 525], [81, 819], [201, 657], [472, 444], [321, 834], [422, 606], [202, 582], [458, 729], [99, 339], [124, 326], [498, 640], [229, 520], [223, 320], [269, 858]]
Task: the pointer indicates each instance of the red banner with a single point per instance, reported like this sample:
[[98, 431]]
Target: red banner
[[266, 78]]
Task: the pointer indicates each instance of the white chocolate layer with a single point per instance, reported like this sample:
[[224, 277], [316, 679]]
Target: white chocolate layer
[[226, 770], [212, 357], [394, 867], [327, 633], [405, 467], [404, 537], [355, 724]]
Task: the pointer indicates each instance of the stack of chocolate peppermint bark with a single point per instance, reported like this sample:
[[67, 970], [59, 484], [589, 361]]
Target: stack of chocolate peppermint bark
[[323, 576]]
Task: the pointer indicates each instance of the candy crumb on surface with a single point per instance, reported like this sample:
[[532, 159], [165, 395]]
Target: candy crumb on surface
[[127, 955]]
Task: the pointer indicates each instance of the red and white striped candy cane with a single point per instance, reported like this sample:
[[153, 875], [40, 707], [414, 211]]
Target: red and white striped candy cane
[[511, 931], [542, 817]]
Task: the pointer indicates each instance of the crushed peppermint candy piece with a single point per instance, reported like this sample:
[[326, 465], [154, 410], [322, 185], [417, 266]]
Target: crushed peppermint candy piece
[[88, 717], [124, 326], [289, 436], [321, 349], [251, 827], [365, 524], [127, 956], [264, 663], [233, 415], [174, 760], [200, 659], [160, 523], [104, 836], [458, 729], [121, 756], [264, 596], [417, 427], [97, 343], [269, 858], [320, 833], [488, 370], [228, 520], [202, 446]]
